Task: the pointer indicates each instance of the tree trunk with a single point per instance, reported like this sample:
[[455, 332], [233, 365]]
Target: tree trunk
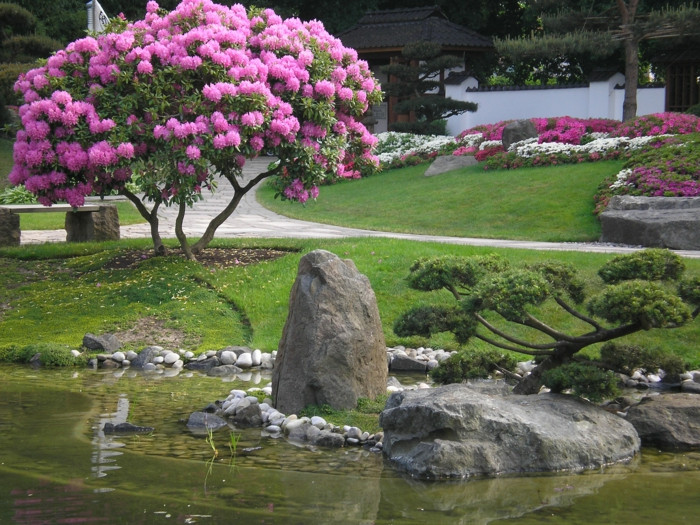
[[152, 219], [238, 193], [180, 234], [629, 107], [628, 12]]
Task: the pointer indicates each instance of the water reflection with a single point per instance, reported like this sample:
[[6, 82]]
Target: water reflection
[[54, 455], [105, 449]]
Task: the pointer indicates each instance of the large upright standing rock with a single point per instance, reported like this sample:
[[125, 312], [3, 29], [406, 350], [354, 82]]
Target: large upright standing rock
[[332, 349]]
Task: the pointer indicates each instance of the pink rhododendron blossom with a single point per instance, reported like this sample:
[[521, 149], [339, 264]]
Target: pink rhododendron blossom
[[287, 87], [193, 152]]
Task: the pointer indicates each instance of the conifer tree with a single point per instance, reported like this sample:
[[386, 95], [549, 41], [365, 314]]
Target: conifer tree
[[420, 88], [600, 29]]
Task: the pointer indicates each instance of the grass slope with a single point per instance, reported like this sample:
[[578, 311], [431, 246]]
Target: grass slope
[[552, 203], [57, 293]]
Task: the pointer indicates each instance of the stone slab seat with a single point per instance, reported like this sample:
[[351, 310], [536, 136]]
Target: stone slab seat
[[660, 222], [91, 222]]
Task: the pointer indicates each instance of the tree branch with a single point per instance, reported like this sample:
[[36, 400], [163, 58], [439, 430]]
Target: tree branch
[[151, 217], [577, 314], [510, 347], [511, 339], [181, 237], [239, 192], [535, 323]]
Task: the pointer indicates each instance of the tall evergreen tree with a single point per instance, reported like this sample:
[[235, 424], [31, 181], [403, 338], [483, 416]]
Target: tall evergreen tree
[[420, 88]]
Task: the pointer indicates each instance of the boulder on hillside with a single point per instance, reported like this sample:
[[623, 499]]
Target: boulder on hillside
[[105, 342], [445, 163], [517, 131], [668, 421], [332, 350], [462, 430]]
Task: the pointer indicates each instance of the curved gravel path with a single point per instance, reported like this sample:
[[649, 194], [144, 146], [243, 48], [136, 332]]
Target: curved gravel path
[[253, 220]]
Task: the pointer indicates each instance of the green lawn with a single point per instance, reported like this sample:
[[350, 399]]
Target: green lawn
[[55, 221], [58, 292], [546, 204]]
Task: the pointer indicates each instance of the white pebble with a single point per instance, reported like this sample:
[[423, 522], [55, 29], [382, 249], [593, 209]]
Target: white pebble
[[244, 360], [318, 422], [228, 357]]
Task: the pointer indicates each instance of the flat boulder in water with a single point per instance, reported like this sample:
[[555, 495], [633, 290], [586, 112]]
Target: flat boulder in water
[[458, 431]]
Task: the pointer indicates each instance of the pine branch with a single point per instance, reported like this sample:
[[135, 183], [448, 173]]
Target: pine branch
[[577, 314], [504, 346], [535, 323], [512, 339]]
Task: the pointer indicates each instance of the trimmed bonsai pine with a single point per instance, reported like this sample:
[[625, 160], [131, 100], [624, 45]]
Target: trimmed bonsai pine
[[506, 307]]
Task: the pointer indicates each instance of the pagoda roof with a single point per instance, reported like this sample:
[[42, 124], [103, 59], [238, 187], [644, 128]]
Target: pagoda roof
[[394, 28]]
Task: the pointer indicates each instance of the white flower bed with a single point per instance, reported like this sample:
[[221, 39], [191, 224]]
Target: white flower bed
[[393, 145], [599, 145]]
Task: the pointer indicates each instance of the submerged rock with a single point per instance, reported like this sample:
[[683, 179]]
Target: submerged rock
[[202, 421], [125, 428]]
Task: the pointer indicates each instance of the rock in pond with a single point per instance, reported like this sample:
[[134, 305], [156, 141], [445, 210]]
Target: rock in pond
[[202, 422], [458, 431], [668, 422], [125, 428]]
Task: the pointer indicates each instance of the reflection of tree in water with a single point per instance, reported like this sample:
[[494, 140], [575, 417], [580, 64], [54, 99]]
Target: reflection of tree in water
[[104, 448]]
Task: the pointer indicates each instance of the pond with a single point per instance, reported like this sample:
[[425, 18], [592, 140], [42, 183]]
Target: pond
[[57, 466]]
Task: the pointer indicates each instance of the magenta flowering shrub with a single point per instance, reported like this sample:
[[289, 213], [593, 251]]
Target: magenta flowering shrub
[[180, 96], [670, 167], [567, 130], [488, 131], [659, 124]]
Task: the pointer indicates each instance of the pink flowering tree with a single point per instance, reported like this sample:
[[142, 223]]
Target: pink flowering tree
[[157, 108]]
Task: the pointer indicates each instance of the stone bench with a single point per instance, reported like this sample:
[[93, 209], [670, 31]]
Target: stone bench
[[92, 222], [659, 222]]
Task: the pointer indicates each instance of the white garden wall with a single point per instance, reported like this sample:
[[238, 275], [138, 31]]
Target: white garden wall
[[597, 100]]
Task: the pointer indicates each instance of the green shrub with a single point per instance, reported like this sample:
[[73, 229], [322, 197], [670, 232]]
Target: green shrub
[[9, 73], [16, 195], [15, 20], [653, 264], [28, 48], [583, 380], [471, 364], [51, 354], [689, 290], [694, 110], [628, 358]]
